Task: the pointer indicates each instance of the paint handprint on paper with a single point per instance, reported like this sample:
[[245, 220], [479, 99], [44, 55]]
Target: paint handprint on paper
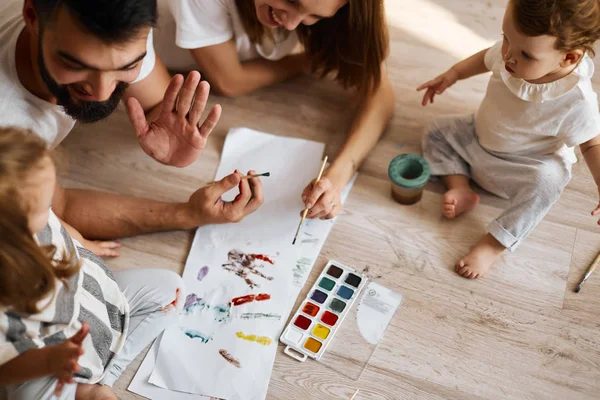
[[245, 265]]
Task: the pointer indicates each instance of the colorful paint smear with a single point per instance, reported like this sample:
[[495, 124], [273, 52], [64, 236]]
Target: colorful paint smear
[[193, 304], [264, 340], [238, 301], [244, 265], [270, 316], [302, 266], [202, 273], [230, 359], [192, 334], [263, 258]]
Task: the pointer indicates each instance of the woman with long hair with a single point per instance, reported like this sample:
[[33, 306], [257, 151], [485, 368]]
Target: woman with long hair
[[243, 45]]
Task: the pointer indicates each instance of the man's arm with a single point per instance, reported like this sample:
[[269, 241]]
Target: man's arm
[[100, 215]]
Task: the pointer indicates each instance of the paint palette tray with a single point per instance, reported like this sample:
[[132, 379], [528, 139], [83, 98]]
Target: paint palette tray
[[316, 329], [321, 314]]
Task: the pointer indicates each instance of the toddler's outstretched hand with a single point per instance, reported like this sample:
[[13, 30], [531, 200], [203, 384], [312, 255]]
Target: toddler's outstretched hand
[[438, 85], [596, 211]]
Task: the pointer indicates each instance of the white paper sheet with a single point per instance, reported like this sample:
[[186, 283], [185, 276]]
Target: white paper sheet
[[140, 385], [310, 241], [220, 349]]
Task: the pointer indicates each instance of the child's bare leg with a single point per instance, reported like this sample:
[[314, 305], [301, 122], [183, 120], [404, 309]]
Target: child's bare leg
[[94, 392], [480, 258], [459, 198]]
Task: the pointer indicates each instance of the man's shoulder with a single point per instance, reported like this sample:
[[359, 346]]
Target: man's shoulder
[[10, 15]]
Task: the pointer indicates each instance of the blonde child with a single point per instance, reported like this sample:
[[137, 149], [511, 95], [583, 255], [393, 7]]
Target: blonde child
[[539, 104], [50, 285]]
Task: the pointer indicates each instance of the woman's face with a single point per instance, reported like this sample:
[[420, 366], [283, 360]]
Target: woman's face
[[291, 13]]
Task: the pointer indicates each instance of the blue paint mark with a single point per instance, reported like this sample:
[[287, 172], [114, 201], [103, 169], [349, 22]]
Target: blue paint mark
[[222, 312], [193, 334]]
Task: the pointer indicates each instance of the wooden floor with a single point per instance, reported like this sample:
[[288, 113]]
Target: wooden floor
[[520, 332]]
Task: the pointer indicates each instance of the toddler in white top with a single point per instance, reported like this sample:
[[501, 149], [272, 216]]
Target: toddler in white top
[[539, 104]]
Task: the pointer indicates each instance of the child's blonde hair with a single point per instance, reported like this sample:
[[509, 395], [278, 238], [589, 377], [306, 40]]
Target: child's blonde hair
[[574, 23], [27, 271]]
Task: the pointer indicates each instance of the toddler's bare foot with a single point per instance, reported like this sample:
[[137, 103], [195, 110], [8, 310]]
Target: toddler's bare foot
[[480, 258], [458, 201], [94, 392]]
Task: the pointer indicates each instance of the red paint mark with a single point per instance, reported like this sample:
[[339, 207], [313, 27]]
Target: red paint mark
[[174, 302], [263, 258], [238, 301]]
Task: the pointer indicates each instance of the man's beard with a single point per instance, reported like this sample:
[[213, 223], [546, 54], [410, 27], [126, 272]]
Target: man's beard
[[81, 111]]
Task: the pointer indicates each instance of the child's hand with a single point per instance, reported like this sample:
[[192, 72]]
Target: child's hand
[[438, 85], [597, 209], [63, 358], [102, 249]]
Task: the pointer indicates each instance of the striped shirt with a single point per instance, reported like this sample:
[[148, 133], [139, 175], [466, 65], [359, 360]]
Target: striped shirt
[[91, 295]]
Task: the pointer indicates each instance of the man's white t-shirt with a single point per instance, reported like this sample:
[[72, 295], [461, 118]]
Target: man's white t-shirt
[[19, 107], [528, 119], [192, 24]]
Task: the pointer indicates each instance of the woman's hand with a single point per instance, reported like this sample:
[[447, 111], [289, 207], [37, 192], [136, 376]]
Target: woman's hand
[[322, 199]]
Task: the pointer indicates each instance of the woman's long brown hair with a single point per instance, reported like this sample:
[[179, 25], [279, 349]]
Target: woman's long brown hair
[[27, 271], [351, 45]]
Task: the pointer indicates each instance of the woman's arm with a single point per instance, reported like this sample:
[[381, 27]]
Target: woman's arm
[[373, 115], [221, 66]]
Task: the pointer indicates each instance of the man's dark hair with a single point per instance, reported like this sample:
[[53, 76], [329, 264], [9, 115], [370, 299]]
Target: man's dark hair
[[112, 21]]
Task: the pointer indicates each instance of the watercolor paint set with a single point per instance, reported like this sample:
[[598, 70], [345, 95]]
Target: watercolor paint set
[[319, 316], [341, 321]]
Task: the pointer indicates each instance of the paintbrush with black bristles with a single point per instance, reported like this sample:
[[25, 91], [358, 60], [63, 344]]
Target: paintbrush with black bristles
[[265, 174]]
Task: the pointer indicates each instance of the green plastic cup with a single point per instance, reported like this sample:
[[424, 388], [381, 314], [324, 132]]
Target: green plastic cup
[[409, 174]]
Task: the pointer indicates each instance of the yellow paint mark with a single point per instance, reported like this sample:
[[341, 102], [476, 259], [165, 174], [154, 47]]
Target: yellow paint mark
[[264, 340]]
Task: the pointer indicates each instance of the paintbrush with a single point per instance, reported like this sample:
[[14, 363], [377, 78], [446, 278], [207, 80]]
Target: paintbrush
[[249, 176], [305, 212], [588, 273]]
